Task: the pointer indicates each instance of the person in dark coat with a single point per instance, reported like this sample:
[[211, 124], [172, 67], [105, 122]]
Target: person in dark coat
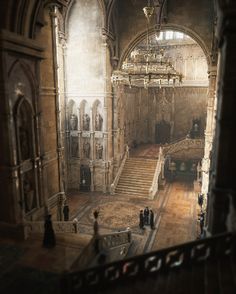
[[201, 219], [49, 240], [66, 211], [151, 219], [200, 200], [141, 219], [146, 216]]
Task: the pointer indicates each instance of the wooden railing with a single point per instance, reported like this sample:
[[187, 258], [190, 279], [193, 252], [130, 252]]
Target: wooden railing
[[147, 265], [115, 182], [154, 187]]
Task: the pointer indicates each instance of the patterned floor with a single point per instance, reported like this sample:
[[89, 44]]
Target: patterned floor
[[175, 209], [175, 213]]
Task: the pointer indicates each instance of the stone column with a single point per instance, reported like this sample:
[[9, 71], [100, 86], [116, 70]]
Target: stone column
[[223, 163], [92, 135], [209, 131], [91, 166], [107, 109], [55, 41]]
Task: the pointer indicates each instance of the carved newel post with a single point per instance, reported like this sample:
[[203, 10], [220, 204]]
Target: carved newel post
[[60, 204]]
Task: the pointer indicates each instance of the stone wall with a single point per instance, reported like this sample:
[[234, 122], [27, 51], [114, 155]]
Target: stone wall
[[144, 108], [190, 16], [89, 113]]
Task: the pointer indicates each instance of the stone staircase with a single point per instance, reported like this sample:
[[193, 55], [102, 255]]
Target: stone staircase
[[137, 176]]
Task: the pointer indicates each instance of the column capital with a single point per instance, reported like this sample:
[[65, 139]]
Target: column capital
[[212, 71]]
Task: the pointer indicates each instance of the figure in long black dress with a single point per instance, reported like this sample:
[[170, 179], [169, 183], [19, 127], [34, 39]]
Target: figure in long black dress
[[146, 216], [151, 219], [66, 211], [141, 219], [49, 240]]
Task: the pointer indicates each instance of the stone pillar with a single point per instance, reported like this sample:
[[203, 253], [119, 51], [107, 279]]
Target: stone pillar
[[91, 166], [223, 163], [55, 42], [92, 135], [209, 131], [107, 111]]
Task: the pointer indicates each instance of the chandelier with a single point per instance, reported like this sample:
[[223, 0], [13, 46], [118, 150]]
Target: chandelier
[[147, 65]]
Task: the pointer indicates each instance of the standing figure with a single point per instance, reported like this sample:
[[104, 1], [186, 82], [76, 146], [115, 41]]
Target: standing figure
[[73, 122], [146, 216], [200, 200], [74, 147], [99, 149], [98, 122], [151, 219], [86, 149], [75, 224], [66, 211], [201, 219], [49, 240], [141, 219], [86, 122]]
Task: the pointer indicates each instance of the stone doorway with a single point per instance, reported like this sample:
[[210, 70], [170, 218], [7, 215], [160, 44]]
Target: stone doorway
[[162, 132]]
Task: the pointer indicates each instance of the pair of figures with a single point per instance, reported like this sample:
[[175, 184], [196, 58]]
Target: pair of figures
[[146, 217]]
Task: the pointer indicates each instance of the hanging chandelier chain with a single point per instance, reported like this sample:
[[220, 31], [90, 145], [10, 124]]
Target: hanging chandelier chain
[[148, 65]]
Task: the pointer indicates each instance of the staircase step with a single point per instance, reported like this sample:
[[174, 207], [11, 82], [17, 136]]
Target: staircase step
[[131, 189], [133, 172], [136, 194], [136, 178], [134, 181]]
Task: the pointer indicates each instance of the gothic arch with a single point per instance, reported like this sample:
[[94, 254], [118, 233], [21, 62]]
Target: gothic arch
[[141, 36], [26, 70], [70, 7], [24, 129]]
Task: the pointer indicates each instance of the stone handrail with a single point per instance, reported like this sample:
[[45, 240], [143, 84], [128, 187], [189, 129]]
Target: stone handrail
[[115, 182], [87, 255], [183, 144], [108, 241], [154, 187], [163, 261], [58, 227], [105, 242]]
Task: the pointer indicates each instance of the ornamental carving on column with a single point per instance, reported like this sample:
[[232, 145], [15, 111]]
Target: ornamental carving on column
[[164, 107]]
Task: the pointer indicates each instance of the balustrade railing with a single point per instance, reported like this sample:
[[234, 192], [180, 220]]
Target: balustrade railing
[[154, 187], [115, 182], [104, 242], [114, 239], [58, 227], [185, 143], [157, 262]]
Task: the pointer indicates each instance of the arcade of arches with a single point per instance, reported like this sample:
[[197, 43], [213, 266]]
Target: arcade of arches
[[70, 133]]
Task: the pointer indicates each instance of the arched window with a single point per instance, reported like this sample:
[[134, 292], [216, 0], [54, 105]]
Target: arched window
[[24, 131]]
